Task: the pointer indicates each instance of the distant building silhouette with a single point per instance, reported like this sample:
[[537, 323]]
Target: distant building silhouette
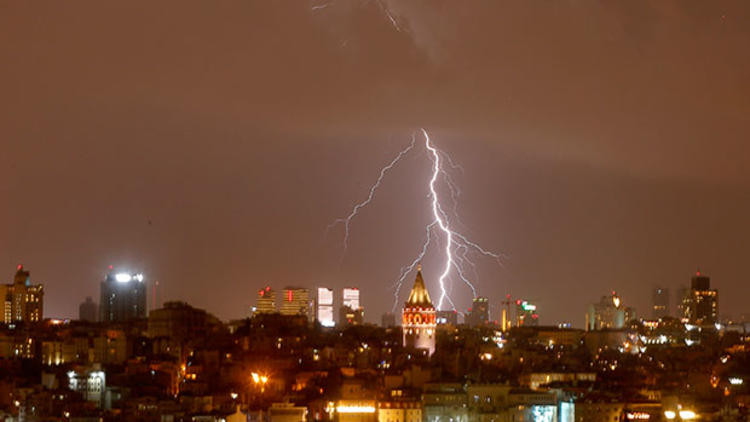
[[388, 320], [659, 303], [21, 300], [608, 313], [479, 313], [88, 310]]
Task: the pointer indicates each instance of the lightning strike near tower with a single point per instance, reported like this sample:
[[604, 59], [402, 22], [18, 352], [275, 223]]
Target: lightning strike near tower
[[456, 247]]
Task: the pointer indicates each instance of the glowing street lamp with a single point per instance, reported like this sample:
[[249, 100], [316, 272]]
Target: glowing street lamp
[[259, 380]]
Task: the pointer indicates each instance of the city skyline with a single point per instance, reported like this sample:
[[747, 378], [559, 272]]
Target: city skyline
[[595, 155]]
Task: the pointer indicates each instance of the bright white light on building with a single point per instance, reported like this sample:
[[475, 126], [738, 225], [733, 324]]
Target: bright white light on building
[[670, 414], [355, 409], [736, 381], [687, 415], [138, 277], [123, 277]]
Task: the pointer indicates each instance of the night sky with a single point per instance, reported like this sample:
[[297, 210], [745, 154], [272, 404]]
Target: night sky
[[209, 145]]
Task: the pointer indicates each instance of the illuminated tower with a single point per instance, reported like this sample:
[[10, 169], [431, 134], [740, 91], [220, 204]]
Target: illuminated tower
[[419, 317], [324, 307]]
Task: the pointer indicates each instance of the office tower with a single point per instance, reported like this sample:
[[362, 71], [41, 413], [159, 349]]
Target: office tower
[[526, 314], [418, 317], [88, 310], [609, 313], [265, 303], [659, 303], [350, 297], [388, 320], [296, 301], [479, 313], [702, 304], [351, 311], [447, 317], [22, 301], [123, 297], [324, 307]]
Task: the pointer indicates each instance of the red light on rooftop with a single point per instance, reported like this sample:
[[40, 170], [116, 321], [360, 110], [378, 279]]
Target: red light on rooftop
[[507, 296], [268, 288], [518, 301], [535, 316], [19, 267], [289, 295]]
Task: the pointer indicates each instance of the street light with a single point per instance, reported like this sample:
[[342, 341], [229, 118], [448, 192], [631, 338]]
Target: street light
[[261, 380]]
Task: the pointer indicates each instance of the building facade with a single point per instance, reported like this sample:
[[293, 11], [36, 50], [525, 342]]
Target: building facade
[[659, 303], [22, 301], [265, 303], [88, 310], [324, 307], [479, 313], [701, 304], [123, 297], [296, 301]]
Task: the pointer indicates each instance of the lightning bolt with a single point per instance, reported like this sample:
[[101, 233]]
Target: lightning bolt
[[348, 219], [457, 247]]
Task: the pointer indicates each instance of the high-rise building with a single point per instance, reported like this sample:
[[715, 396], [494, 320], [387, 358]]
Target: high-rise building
[[418, 317], [324, 307], [350, 297], [123, 297], [479, 313], [265, 303], [526, 314], [660, 303], [22, 301], [88, 310], [388, 320], [351, 311], [702, 302], [609, 313], [296, 301]]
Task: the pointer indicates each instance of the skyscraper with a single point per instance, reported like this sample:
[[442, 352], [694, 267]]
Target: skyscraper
[[702, 304], [659, 303], [265, 303], [22, 301], [324, 307], [123, 297], [418, 317], [296, 301], [479, 313], [88, 310], [351, 311]]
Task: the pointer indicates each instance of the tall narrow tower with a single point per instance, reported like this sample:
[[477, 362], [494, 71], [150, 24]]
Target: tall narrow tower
[[419, 317]]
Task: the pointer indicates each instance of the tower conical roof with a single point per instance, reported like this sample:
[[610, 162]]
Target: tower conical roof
[[419, 295]]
